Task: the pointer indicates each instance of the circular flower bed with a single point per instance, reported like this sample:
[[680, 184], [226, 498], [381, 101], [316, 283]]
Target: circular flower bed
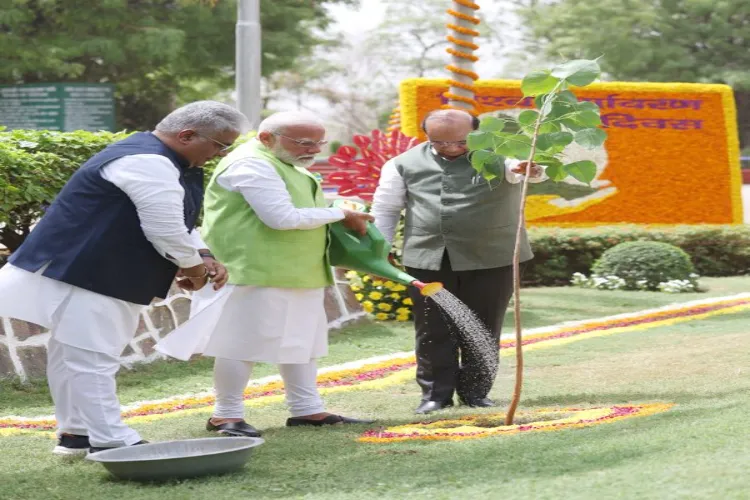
[[481, 426]]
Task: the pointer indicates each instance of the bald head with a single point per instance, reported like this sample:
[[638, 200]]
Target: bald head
[[447, 130], [448, 116]]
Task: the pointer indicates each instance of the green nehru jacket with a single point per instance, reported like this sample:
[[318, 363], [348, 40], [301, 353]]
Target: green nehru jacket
[[447, 208], [255, 254]]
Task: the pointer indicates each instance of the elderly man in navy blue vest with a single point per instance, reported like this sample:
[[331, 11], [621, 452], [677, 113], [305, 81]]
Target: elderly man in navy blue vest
[[115, 238]]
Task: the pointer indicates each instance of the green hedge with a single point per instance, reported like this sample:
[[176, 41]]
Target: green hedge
[[36, 164], [715, 250]]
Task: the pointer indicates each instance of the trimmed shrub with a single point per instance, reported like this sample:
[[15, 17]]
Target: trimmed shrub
[[715, 250], [561, 253], [644, 265]]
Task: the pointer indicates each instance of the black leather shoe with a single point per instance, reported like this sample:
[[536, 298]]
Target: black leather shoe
[[97, 449], [478, 403], [236, 429], [329, 420], [430, 406]]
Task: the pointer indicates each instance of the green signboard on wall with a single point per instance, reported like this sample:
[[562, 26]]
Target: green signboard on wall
[[58, 106]]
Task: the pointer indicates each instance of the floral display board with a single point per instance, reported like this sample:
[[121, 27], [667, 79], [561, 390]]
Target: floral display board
[[671, 157]]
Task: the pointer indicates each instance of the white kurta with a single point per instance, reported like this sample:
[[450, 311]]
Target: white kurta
[[89, 320], [262, 324]]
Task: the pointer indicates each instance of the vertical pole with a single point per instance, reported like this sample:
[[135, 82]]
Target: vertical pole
[[248, 60]]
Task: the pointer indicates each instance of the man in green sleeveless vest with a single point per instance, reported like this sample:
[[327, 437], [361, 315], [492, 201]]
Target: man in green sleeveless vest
[[460, 231], [266, 216]]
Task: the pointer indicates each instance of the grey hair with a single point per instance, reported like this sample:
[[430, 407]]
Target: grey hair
[[278, 122], [207, 117]]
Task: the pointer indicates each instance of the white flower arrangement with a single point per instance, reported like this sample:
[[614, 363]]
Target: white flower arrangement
[[616, 283]]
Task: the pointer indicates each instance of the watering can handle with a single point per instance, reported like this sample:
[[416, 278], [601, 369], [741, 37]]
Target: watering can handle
[[376, 237]]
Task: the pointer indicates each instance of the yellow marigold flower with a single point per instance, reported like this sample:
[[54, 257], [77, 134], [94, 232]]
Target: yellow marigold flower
[[399, 288], [359, 297], [389, 285], [368, 306], [355, 288], [385, 307], [377, 283], [365, 278], [381, 316], [351, 274], [408, 302], [402, 317], [395, 296], [403, 311], [375, 295]]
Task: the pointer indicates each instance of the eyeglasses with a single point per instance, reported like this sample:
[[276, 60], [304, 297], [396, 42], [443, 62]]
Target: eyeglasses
[[305, 144], [224, 147], [448, 143]]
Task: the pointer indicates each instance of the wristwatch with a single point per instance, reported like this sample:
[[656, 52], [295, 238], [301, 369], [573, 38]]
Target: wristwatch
[[203, 276]]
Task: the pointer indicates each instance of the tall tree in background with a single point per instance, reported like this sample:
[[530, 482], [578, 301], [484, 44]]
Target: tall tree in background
[[157, 52], [411, 37], [654, 40], [359, 79]]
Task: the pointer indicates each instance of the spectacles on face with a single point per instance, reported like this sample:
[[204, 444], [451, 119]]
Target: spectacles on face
[[223, 147], [444, 144], [305, 144]]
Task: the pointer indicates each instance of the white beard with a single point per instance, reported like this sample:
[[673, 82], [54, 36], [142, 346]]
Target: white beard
[[283, 155]]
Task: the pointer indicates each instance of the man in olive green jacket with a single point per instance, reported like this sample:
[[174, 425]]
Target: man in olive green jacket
[[460, 230]]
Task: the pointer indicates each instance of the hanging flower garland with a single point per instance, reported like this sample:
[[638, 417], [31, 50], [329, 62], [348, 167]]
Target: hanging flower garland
[[461, 92]]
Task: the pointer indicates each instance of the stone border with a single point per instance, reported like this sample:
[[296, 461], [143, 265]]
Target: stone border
[[23, 346]]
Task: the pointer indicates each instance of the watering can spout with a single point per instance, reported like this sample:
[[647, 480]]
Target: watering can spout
[[427, 289], [368, 254]]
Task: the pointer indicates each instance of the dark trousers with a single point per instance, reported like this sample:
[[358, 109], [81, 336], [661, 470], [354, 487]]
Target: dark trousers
[[443, 367]]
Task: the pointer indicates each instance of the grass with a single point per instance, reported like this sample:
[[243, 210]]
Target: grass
[[696, 450], [541, 307]]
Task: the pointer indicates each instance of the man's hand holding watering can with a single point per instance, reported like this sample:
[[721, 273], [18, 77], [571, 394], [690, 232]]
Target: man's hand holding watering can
[[357, 221]]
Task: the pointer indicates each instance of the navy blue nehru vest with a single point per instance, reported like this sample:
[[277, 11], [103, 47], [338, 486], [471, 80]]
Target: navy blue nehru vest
[[91, 236]]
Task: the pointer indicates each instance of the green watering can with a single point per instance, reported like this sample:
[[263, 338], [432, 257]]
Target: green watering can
[[369, 253]]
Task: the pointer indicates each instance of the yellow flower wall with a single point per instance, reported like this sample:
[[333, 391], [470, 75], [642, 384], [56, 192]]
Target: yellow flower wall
[[672, 153]]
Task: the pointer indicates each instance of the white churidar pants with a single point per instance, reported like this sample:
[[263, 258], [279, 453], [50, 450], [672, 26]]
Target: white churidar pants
[[88, 333], [232, 376], [242, 325]]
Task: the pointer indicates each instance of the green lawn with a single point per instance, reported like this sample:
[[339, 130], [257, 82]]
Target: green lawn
[[542, 307], [696, 450]]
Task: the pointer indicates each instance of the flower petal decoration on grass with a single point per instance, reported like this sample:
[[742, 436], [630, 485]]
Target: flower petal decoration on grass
[[398, 368], [467, 428]]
